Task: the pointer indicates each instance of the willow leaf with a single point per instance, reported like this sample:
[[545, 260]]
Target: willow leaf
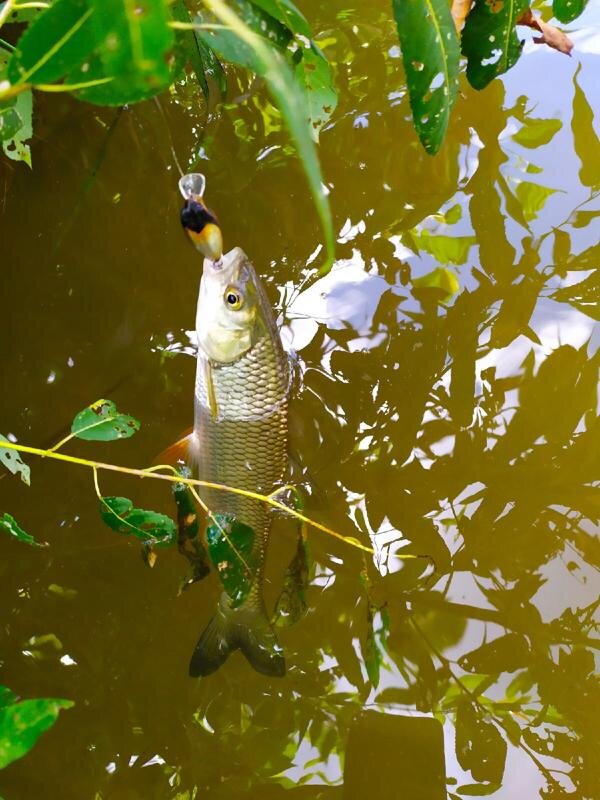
[[238, 44], [431, 57], [489, 39]]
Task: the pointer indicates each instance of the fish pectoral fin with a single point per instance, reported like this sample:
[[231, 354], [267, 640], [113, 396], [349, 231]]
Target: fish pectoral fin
[[179, 451]]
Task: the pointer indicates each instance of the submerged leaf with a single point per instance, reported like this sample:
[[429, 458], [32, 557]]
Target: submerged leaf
[[232, 550], [585, 138], [101, 422], [21, 725], [291, 604], [314, 75], [490, 40], [14, 463], [9, 525], [431, 55], [7, 697], [536, 132], [441, 282], [149, 526]]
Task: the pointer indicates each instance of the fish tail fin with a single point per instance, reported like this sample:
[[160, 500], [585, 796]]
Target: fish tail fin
[[246, 628]]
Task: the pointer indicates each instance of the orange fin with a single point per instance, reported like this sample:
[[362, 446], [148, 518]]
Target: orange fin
[[179, 451]]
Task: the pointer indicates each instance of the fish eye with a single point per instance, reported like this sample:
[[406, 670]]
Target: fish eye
[[233, 298]]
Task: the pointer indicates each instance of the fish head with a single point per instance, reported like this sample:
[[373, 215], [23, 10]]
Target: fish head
[[232, 309]]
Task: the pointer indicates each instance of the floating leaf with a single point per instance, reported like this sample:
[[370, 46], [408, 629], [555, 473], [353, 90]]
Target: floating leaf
[[586, 141], [532, 197], [240, 45], [149, 526], [101, 422], [447, 249], [442, 282], [536, 132], [55, 42], [14, 463], [568, 10], [431, 59], [489, 39], [9, 525], [231, 546], [314, 75], [21, 725], [18, 122]]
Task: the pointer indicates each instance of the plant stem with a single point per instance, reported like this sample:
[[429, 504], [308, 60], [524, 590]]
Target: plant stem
[[148, 473]]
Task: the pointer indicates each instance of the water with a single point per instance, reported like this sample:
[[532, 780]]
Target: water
[[426, 432]]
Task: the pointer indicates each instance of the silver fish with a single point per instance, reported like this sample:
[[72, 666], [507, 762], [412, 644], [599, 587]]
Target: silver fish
[[239, 439]]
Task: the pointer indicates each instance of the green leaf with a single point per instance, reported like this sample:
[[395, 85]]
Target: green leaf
[[13, 143], [446, 249], [453, 215], [287, 13], [9, 525], [263, 24], [21, 725], [507, 653], [7, 697], [584, 296], [431, 55], [240, 45], [14, 463], [101, 422], [54, 43], [190, 44], [22, 14], [441, 282], [134, 43], [291, 604], [489, 39], [585, 139], [149, 526], [314, 75], [536, 132], [532, 197], [232, 550], [568, 10]]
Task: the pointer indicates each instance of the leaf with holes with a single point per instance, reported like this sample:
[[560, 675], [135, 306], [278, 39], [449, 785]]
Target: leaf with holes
[[231, 547], [56, 42], [431, 58], [489, 39], [480, 747], [21, 725], [14, 139], [10, 525], [149, 526], [101, 422], [14, 463]]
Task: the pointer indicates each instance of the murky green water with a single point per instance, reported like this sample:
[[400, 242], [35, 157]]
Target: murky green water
[[468, 435]]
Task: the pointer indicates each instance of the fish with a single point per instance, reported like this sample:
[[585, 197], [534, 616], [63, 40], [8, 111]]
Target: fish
[[239, 439]]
